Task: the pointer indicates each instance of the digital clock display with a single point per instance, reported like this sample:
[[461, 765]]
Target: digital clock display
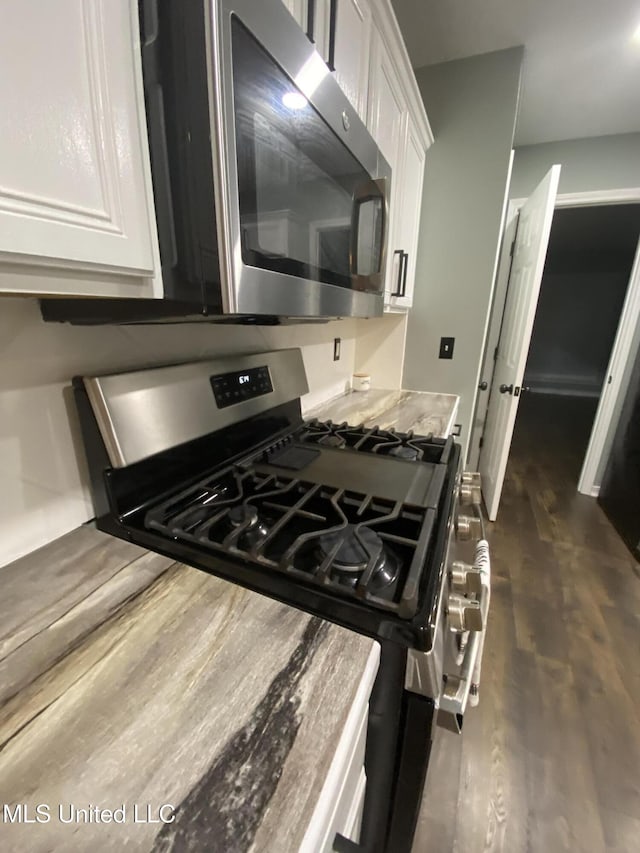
[[241, 385]]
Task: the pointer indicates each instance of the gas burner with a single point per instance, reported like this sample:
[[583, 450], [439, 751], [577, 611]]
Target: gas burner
[[254, 531], [405, 451], [332, 440], [243, 514], [358, 545]]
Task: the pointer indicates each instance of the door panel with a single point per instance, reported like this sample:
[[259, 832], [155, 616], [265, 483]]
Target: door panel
[[352, 35], [387, 122], [72, 173], [410, 177], [529, 252], [298, 9]]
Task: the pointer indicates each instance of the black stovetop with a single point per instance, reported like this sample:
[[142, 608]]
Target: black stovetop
[[346, 522]]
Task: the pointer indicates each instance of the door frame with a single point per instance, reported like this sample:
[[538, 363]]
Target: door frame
[[615, 384], [612, 393]]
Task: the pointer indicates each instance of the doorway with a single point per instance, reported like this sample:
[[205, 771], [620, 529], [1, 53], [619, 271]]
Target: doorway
[[586, 276], [594, 263]]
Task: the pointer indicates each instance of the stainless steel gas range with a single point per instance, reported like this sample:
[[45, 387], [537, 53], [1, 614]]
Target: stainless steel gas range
[[212, 463]]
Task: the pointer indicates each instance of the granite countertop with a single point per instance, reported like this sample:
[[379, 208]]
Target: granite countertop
[[420, 411], [129, 680]]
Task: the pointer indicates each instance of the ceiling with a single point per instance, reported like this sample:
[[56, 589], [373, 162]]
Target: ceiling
[[581, 73]]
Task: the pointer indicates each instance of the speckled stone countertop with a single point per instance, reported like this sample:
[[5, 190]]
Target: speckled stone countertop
[[419, 411], [127, 680]]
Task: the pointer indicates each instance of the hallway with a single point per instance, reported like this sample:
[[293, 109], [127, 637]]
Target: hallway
[[550, 760]]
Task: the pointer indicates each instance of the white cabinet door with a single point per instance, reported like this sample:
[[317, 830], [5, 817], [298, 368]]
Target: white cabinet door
[[387, 118], [410, 177], [298, 9], [74, 191], [351, 58], [351, 37]]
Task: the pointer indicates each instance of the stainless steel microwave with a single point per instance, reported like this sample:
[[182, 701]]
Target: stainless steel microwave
[[271, 195]]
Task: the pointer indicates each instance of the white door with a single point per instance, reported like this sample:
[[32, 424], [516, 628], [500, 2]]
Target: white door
[[529, 252]]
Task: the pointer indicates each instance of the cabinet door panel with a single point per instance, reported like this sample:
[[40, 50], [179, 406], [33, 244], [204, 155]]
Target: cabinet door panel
[[387, 120], [298, 9], [352, 37], [411, 178], [72, 168], [386, 104]]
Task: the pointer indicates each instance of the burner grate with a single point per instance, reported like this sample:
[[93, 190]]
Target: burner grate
[[283, 523], [407, 445]]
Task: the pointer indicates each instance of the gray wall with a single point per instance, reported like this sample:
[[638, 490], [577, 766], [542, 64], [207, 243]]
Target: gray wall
[[471, 104], [599, 163]]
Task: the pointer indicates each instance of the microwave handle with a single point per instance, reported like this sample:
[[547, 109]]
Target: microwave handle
[[149, 37], [366, 192]]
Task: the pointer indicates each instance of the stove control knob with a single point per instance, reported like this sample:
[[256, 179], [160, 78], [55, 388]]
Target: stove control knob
[[465, 578], [468, 527], [470, 490], [464, 614]]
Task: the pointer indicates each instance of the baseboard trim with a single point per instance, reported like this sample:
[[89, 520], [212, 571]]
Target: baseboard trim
[[595, 491]]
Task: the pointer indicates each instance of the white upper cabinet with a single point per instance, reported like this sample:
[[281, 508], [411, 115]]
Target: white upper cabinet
[[387, 107], [341, 32], [408, 205], [398, 122], [298, 9], [386, 121], [351, 53], [74, 174]]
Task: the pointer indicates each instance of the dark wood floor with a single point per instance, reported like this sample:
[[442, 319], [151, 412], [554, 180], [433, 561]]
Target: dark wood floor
[[550, 759]]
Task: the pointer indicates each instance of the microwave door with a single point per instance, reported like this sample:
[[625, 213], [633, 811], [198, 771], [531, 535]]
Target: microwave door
[[292, 177]]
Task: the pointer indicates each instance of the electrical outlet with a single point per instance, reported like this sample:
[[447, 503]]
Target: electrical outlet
[[446, 347], [336, 348]]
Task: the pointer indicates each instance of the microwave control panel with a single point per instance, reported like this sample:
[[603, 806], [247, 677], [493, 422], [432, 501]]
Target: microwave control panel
[[241, 385]]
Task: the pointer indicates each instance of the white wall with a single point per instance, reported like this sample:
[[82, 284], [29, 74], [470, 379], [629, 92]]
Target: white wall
[[44, 489], [472, 106], [380, 346]]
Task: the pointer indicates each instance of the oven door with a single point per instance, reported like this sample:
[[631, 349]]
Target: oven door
[[303, 186]]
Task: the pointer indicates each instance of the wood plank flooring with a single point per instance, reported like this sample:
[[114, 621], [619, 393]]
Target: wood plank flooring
[[550, 759]]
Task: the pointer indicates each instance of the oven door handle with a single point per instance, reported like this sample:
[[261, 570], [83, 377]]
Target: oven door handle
[[464, 687]]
